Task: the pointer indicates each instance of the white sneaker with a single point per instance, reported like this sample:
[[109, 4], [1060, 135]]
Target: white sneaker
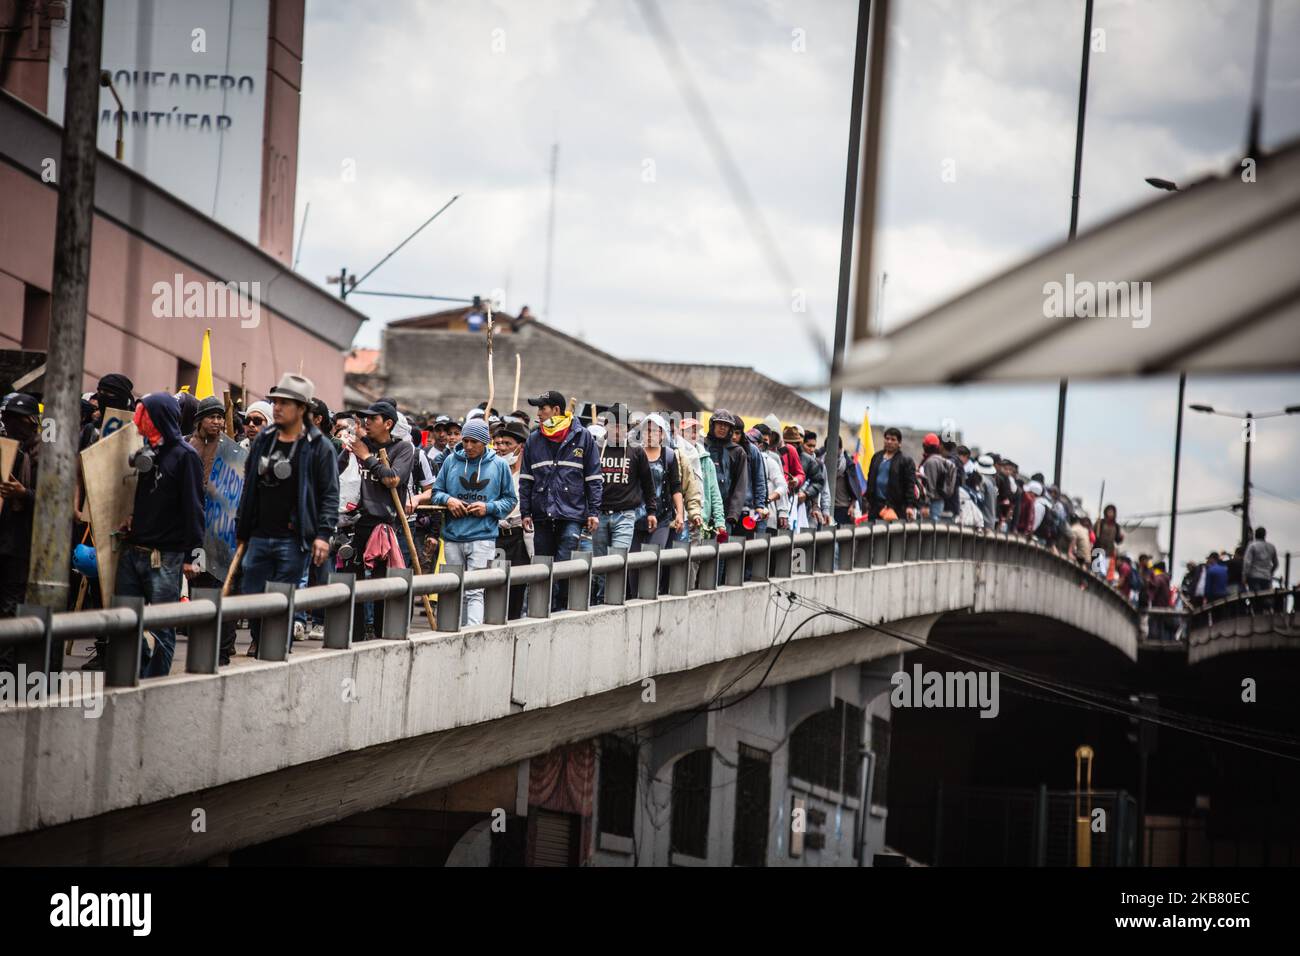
[[299, 630], [317, 632]]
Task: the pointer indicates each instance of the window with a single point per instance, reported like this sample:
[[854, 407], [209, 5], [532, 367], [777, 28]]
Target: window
[[753, 799], [692, 791], [880, 730], [186, 374], [36, 319], [616, 798], [824, 749]]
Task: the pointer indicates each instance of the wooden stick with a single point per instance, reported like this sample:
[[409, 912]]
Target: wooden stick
[[487, 412], [234, 567], [243, 386], [230, 414], [519, 365], [410, 541]]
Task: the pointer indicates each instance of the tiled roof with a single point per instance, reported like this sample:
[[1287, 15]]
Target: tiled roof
[[444, 370], [742, 390], [361, 361]]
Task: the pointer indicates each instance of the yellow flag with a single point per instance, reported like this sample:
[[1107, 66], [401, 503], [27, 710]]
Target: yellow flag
[[867, 447], [203, 388]]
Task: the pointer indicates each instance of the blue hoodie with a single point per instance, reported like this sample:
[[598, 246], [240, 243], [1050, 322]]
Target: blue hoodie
[[168, 513], [486, 479]]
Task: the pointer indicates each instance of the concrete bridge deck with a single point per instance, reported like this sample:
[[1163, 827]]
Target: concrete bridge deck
[[330, 731]]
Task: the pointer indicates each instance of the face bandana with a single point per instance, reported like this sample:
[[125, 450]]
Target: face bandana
[[556, 428], [146, 426]]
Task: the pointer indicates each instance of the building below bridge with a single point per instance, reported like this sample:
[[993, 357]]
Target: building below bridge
[[775, 779]]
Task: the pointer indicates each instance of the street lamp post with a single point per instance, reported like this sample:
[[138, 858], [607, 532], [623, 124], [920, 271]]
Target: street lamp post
[[1248, 420]]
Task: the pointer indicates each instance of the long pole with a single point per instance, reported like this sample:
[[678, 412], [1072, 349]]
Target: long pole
[[56, 482], [851, 174], [871, 133], [550, 234], [519, 367], [1245, 481], [1178, 457], [1074, 212], [410, 540]]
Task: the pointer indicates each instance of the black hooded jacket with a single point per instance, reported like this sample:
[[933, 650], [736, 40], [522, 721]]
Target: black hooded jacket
[[731, 461], [168, 511]]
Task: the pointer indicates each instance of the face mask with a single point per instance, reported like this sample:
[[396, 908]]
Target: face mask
[[511, 458]]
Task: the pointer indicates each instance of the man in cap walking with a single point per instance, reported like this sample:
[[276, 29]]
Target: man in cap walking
[[376, 507], [560, 484]]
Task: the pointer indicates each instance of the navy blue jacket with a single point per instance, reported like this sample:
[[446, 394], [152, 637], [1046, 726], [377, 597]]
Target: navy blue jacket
[[168, 510], [317, 468], [561, 479]]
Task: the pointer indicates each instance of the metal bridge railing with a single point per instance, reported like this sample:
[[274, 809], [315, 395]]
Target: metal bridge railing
[[35, 633], [1177, 625]]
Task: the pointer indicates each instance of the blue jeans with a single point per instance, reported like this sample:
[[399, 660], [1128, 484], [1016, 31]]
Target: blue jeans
[[472, 556], [613, 531], [157, 586], [272, 559], [557, 538], [936, 510]]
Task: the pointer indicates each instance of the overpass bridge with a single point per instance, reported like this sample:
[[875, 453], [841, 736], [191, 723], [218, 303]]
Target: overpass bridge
[[1247, 623], [289, 742]]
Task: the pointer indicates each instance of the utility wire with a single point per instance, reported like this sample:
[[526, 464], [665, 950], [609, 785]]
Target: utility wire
[[732, 176]]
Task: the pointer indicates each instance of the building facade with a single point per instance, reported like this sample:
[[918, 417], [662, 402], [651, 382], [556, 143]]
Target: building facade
[[162, 270]]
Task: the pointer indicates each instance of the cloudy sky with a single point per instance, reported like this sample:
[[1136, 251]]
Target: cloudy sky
[[408, 103]]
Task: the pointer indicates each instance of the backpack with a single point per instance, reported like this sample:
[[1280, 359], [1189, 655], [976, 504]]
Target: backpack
[[1025, 519], [1050, 527], [949, 479]]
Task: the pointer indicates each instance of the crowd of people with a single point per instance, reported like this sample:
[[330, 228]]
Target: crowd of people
[[371, 489]]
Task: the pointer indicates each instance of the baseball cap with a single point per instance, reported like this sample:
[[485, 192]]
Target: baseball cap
[[383, 409], [931, 440], [549, 398], [20, 403]]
